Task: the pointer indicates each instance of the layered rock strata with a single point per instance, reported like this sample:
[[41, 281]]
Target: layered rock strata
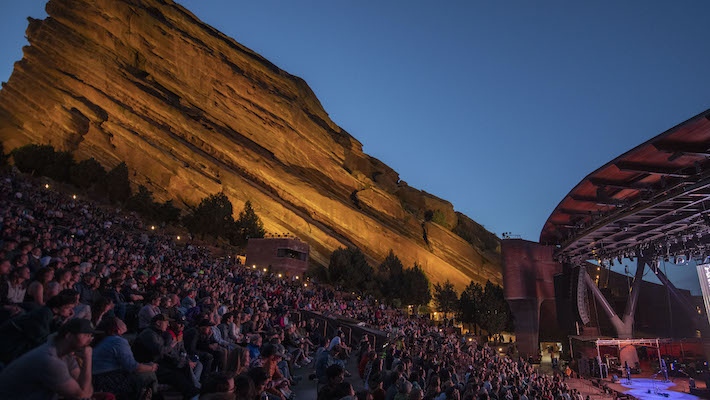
[[192, 112]]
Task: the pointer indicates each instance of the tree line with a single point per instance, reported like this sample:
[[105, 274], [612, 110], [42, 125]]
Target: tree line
[[479, 306], [349, 270], [212, 217]]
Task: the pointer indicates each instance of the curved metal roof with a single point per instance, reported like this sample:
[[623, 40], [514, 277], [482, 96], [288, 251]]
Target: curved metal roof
[[652, 196]]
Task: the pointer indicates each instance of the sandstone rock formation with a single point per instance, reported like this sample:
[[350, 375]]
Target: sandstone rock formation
[[192, 112]]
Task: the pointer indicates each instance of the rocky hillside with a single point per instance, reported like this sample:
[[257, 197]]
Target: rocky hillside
[[192, 112]]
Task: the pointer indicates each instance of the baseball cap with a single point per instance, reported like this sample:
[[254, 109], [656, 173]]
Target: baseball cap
[[78, 325], [205, 322], [160, 317], [271, 350]]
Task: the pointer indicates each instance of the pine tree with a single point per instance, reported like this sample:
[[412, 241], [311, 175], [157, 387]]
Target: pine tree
[[167, 212], [417, 289], [142, 202], [391, 277], [445, 297], [349, 269], [4, 163], [86, 173], [213, 216], [495, 315], [248, 226], [470, 305], [33, 159], [116, 185], [60, 166]]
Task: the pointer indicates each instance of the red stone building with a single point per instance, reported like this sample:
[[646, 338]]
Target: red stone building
[[528, 284], [287, 255]]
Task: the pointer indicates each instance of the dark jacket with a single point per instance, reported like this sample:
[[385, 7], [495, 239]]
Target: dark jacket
[[196, 342], [25, 332], [151, 345], [86, 294]]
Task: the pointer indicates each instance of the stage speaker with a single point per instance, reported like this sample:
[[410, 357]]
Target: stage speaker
[[581, 294], [614, 378]]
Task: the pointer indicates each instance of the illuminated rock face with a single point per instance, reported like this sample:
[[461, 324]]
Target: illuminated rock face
[[192, 112]]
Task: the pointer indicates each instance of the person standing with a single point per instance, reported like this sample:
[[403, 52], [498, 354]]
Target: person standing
[[628, 371]]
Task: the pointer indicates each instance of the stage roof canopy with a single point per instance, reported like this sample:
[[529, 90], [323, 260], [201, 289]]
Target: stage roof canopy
[[653, 199]]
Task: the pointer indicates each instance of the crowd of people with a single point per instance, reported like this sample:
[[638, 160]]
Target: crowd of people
[[94, 303]]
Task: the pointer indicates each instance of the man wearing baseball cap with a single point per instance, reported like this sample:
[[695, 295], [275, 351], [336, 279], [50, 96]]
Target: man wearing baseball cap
[[155, 344], [48, 371], [277, 385]]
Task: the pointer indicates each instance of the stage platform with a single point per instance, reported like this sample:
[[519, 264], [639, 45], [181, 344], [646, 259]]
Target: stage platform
[[654, 389]]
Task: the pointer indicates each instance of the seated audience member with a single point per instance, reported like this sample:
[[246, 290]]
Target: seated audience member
[[154, 344], [8, 308], [244, 387], [277, 385], [51, 370], [115, 370], [169, 306], [259, 378], [101, 307], [27, 331], [218, 386], [199, 341], [35, 260], [85, 287], [150, 310], [63, 278], [254, 346], [197, 365], [228, 329], [12, 290], [38, 287], [5, 268], [335, 375]]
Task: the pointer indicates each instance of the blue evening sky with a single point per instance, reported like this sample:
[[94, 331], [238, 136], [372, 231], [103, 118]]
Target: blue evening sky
[[500, 107]]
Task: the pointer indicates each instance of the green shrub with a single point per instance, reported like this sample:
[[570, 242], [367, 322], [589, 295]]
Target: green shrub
[[213, 216], [142, 203], [33, 159], [167, 212], [87, 173], [439, 218], [349, 268], [116, 186], [4, 163], [42, 160], [60, 166]]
